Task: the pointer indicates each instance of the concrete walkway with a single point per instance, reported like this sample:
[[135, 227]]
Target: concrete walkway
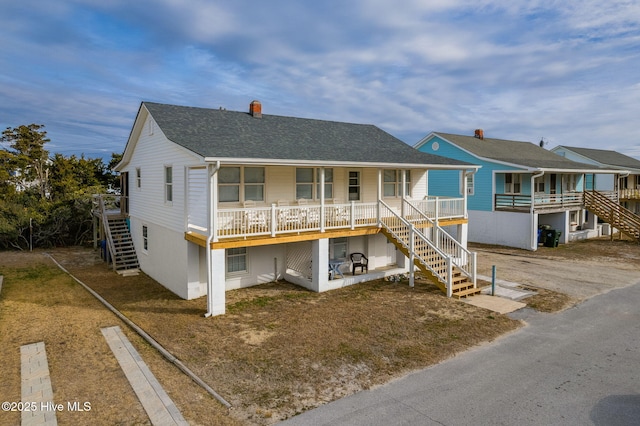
[[159, 407], [36, 386], [506, 298]]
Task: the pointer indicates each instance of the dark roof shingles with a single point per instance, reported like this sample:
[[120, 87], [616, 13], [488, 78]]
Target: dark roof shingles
[[231, 134], [514, 152]]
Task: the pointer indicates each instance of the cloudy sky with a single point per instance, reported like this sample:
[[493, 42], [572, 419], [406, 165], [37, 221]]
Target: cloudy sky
[[567, 71]]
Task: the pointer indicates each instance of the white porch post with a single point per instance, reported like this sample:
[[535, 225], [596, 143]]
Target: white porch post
[[322, 195], [216, 293], [215, 258], [411, 255], [403, 183], [319, 264]]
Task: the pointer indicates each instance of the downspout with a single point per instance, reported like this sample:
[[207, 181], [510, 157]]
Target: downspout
[[534, 233], [210, 222]]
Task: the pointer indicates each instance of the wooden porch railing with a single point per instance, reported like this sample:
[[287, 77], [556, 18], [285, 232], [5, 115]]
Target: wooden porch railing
[[541, 201], [629, 194]]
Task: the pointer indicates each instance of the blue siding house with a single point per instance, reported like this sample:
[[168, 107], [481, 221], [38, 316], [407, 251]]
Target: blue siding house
[[519, 189]]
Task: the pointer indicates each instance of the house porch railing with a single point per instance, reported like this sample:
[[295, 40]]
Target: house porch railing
[[629, 194], [277, 220], [522, 202]]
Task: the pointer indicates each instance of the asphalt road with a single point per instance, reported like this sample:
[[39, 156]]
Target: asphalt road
[[577, 367]]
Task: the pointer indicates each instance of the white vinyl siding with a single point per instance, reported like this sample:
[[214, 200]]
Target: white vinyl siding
[[148, 203], [197, 197]]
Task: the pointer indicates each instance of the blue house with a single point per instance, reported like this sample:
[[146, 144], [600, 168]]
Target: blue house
[[520, 189]]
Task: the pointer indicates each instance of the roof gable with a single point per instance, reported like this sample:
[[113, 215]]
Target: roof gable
[[216, 133]]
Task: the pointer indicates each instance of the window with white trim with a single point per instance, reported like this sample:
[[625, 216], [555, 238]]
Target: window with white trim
[[168, 184], [354, 185], [512, 183], [138, 178], [236, 260], [470, 184], [338, 248], [145, 238], [392, 183], [241, 184], [308, 183]]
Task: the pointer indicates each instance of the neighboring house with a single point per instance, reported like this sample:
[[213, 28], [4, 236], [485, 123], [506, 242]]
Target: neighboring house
[[626, 182], [519, 188], [220, 200]]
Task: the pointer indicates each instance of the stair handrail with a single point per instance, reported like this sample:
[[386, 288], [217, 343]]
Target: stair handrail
[[461, 257], [109, 239], [622, 214], [386, 211]]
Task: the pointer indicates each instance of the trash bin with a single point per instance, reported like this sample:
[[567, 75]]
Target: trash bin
[[551, 238], [541, 233]]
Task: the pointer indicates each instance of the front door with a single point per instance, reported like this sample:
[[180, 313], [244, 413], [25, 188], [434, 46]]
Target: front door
[[552, 184]]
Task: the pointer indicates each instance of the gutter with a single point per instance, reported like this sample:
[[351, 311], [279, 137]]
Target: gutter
[[211, 172]]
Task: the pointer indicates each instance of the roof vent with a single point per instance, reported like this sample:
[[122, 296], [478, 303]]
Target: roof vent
[[479, 134], [255, 109]]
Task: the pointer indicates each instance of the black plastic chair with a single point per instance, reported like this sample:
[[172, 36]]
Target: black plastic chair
[[359, 260]]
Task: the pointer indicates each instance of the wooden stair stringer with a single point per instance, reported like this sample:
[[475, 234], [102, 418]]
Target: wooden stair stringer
[[613, 213], [461, 287]]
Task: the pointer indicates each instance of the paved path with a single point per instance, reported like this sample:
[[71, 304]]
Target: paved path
[[159, 407], [577, 367], [36, 386]]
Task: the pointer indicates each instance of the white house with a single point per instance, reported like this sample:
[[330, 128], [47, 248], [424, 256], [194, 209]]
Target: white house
[[220, 200]]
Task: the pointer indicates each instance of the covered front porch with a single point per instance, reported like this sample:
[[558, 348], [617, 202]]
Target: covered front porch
[[305, 218]]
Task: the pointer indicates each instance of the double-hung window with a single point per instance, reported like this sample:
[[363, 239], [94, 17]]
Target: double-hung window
[[168, 184], [470, 184], [241, 184], [392, 185], [236, 260], [308, 183], [145, 238], [539, 184], [512, 183]]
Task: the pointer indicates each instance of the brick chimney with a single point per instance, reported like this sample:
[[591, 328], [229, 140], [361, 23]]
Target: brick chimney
[[255, 109], [479, 134]]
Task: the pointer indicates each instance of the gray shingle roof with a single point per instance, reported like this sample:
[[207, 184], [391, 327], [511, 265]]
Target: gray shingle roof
[[606, 157], [230, 134], [514, 152]]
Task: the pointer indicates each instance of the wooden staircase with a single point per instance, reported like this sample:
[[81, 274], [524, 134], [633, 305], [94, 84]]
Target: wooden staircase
[[122, 252], [613, 213], [124, 256], [428, 258]]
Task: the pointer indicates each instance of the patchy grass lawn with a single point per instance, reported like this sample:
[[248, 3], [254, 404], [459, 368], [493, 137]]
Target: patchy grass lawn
[[278, 351]]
